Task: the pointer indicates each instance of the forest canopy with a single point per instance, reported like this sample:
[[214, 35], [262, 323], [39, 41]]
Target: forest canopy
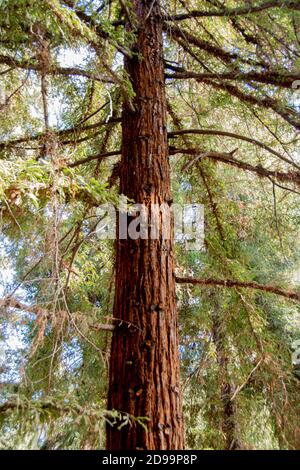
[[186, 102]]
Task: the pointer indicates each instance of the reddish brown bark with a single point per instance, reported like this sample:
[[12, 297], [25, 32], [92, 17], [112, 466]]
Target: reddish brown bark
[[144, 364]]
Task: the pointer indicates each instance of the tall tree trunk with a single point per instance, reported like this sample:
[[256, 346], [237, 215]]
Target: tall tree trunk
[[144, 364]]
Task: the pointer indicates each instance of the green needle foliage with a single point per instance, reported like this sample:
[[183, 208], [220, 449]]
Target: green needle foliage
[[231, 67]]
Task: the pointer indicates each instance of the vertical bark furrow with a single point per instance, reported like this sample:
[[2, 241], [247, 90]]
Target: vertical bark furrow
[[144, 366]]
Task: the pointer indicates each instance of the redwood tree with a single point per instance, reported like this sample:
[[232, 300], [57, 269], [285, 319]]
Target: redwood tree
[[144, 364], [206, 88]]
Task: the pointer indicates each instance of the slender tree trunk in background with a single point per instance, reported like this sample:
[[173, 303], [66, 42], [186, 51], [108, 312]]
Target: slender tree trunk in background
[[229, 430], [144, 364]]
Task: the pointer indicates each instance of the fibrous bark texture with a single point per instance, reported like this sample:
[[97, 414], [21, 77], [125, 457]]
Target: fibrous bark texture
[[144, 364]]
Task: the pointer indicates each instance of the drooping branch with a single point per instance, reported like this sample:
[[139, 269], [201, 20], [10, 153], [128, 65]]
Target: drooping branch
[[205, 179], [85, 31], [90, 158], [61, 133], [282, 79], [93, 412], [10, 302], [177, 33], [97, 27], [230, 283], [239, 11], [291, 177], [53, 69], [233, 135], [287, 113], [14, 93], [50, 405]]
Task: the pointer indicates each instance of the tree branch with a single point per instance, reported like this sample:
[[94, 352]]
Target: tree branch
[[176, 32], [11, 302], [291, 177], [86, 19], [233, 136], [230, 283], [288, 114], [240, 11], [51, 405], [282, 80], [52, 69], [93, 157], [61, 133]]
